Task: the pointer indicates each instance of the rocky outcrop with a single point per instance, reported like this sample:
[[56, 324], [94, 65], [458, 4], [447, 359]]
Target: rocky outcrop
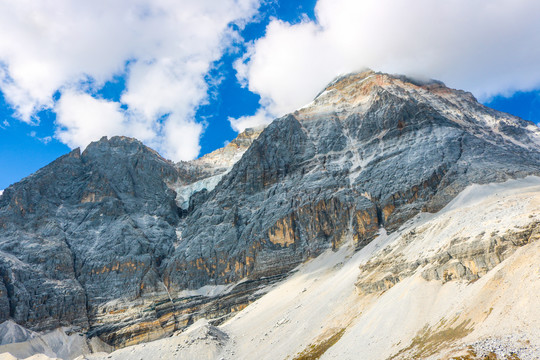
[[111, 239], [464, 259], [464, 243], [469, 259]]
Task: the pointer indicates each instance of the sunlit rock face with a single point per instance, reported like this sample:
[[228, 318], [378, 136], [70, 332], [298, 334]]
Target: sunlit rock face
[[131, 247]]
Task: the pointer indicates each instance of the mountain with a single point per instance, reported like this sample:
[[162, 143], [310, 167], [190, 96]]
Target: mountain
[[130, 247]]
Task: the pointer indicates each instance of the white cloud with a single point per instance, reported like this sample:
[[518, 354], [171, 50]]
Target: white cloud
[[1, 192], [76, 46], [487, 47], [82, 119], [260, 118], [182, 138], [44, 140]]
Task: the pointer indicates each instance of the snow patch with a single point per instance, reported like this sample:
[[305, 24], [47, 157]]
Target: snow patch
[[210, 290], [184, 192], [206, 291]]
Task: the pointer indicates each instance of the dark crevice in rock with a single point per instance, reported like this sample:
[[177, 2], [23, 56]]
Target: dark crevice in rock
[[76, 275], [380, 217]]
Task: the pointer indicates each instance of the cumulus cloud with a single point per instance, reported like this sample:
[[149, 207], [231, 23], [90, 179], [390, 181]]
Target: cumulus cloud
[[487, 47], [83, 118], [71, 48], [183, 138], [260, 118]]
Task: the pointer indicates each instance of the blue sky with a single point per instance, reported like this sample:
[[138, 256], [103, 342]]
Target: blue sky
[[260, 60]]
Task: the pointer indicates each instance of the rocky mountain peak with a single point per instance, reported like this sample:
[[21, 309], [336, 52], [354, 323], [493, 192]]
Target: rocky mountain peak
[[357, 94], [360, 83], [119, 146], [228, 155], [361, 88]]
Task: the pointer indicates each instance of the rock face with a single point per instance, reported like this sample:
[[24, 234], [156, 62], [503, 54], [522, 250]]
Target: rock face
[[85, 229], [117, 239]]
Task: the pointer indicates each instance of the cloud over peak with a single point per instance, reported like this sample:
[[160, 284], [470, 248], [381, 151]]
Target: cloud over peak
[[487, 47], [164, 48]]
